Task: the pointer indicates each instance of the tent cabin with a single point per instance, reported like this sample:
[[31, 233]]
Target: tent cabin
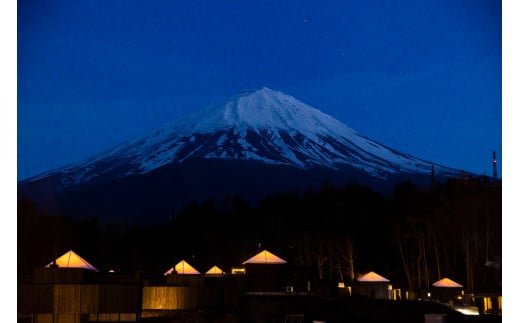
[[67, 269], [447, 291], [215, 271], [182, 268], [265, 257], [70, 289], [372, 285], [70, 259], [183, 274], [79, 302], [229, 287], [265, 272], [185, 289]]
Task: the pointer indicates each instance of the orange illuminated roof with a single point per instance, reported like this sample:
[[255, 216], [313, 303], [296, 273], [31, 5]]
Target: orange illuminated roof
[[183, 268], [446, 282], [72, 260], [372, 277], [215, 271], [264, 257]]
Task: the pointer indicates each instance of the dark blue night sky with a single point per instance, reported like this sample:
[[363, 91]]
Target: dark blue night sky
[[422, 77]]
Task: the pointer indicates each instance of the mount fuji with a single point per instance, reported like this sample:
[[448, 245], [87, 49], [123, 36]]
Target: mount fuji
[[254, 144]]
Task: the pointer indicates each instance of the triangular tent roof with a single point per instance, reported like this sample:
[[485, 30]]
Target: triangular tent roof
[[372, 277], [72, 260], [446, 282], [265, 257], [183, 268], [215, 270]]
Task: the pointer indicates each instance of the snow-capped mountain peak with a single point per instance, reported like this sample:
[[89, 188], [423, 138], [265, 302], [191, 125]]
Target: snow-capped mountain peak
[[263, 125], [260, 109]]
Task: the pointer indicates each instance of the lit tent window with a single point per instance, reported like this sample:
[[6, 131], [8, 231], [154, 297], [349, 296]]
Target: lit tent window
[[183, 268], [215, 270], [372, 277], [265, 257], [72, 260], [446, 282]]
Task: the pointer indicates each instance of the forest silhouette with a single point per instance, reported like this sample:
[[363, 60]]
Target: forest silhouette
[[413, 236]]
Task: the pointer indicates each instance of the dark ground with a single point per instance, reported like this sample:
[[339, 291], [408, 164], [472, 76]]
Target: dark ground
[[317, 309]]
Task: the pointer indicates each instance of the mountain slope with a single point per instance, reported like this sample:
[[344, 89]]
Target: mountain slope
[[256, 135], [264, 125]]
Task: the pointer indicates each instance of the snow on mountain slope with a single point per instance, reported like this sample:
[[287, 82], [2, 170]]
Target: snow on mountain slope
[[264, 125]]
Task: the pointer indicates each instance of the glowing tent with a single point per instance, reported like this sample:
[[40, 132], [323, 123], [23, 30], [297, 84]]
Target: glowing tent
[[265, 257], [215, 271], [447, 291], [372, 277], [446, 282], [72, 260], [183, 268], [372, 285]]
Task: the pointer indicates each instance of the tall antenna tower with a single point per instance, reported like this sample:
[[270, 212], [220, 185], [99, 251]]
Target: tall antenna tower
[[494, 165]]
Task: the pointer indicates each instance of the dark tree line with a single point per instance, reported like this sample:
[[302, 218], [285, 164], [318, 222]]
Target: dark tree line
[[413, 237]]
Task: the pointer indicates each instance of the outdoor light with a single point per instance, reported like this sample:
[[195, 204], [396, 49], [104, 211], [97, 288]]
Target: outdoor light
[[467, 310]]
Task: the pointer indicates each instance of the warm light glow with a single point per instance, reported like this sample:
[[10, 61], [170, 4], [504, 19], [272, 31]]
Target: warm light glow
[[429, 294], [341, 285], [264, 257], [488, 304], [396, 294], [236, 270], [183, 268], [372, 277], [72, 260], [446, 282], [215, 271], [169, 298], [467, 310]]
